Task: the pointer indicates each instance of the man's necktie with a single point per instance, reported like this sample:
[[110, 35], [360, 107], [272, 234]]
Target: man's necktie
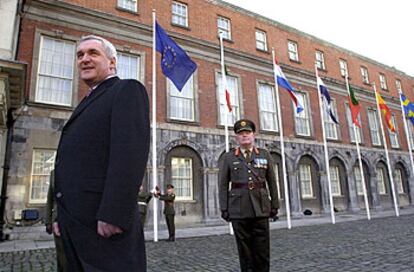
[[248, 155]]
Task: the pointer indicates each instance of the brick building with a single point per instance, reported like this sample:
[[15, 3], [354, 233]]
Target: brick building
[[190, 125]]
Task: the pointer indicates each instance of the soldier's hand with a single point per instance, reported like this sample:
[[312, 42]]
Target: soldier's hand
[[273, 213], [49, 229], [56, 230], [225, 215]]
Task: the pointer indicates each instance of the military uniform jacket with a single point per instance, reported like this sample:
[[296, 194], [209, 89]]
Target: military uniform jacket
[[169, 203], [241, 199], [143, 199]]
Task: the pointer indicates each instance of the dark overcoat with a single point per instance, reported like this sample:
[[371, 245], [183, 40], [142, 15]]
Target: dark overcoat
[[100, 163]]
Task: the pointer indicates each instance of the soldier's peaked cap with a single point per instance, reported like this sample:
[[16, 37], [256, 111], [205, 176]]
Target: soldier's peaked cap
[[244, 125], [170, 186]]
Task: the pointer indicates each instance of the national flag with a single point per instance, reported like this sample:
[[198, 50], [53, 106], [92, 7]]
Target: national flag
[[228, 101], [386, 112], [282, 82], [408, 108], [327, 98], [175, 63], [354, 106]]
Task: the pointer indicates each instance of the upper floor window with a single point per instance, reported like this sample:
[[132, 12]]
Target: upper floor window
[[394, 135], [179, 14], [383, 82], [302, 119], [331, 128], [181, 104], [398, 85], [320, 60], [42, 164], [268, 108], [343, 67], [128, 5], [224, 27], [128, 66], [364, 74], [351, 126], [261, 42], [293, 51], [182, 177], [374, 127], [55, 72], [233, 89]]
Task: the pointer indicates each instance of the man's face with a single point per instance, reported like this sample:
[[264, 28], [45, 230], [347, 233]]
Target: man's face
[[93, 64], [170, 190], [245, 138]]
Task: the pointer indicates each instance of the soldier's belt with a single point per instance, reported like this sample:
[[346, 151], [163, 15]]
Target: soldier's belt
[[142, 203], [250, 185]]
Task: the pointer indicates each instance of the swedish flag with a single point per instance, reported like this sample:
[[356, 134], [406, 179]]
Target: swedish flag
[[408, 108]]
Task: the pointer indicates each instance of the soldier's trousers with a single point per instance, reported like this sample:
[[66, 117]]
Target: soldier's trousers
[[142, 217], [252, 237], [169, 218]]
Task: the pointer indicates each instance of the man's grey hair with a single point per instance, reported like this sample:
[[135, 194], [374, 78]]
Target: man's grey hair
[[109, 48]]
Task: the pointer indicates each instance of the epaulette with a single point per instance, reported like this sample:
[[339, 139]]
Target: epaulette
[[237, 151]]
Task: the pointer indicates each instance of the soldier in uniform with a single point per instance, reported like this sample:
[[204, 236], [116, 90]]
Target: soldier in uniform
[[50, 223], [169, 211], [143, 200], [248, 197]]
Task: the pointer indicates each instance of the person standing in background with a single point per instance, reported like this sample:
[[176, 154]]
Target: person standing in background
[[169, 210]]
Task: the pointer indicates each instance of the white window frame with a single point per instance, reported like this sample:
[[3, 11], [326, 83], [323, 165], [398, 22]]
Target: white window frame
[[293, 51], [383, 82], [305, 179], [131, 5], [41, 170], [351, 125], [374, 127], [364, 75], [261, 40], [411, 134], [358, 181], [224, 26], [267, 107], [320, 60], [343, 67], [335, 180], [399, 181], [52, 74], [179, 14], [394, 135], [381, 181], [331, 128], [303, 119], [180, 180], [279, 192], [234, 100], [398, 85], [187, 94], [127, 71]]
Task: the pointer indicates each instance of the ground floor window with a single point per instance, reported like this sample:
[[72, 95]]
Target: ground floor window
[[182, 177], [42, 164]]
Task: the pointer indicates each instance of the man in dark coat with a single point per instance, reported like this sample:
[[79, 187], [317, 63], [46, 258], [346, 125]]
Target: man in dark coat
[[100, 164], [248, 197], [169, 210]]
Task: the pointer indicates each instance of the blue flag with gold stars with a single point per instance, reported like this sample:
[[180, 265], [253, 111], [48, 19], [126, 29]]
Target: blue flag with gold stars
[[408, 108], [175, 63]]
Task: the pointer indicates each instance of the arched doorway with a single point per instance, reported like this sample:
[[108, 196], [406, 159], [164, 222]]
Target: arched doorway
[[277, 160], [401, 184], [383, 185], [184, 169], [359, 184], [339, 184], [309, 184]]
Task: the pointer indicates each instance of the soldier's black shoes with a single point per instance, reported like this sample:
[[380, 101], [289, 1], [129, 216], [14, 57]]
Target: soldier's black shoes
[[171, 239]]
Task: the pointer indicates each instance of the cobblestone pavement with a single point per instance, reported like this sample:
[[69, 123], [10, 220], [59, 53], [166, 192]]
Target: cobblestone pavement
[[383, 244]]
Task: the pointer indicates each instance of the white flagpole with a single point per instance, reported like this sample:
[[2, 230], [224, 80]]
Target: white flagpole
[[224, 85], [386, 154], [282, 145], [361, 169], [154, 124], [325, 146], [406, 128]]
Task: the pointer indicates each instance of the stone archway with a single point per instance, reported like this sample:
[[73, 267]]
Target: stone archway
[[339, 184], [310, 189]]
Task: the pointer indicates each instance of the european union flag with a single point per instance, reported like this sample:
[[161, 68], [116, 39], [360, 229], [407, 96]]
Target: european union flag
[[175, 63], [408, 108]]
